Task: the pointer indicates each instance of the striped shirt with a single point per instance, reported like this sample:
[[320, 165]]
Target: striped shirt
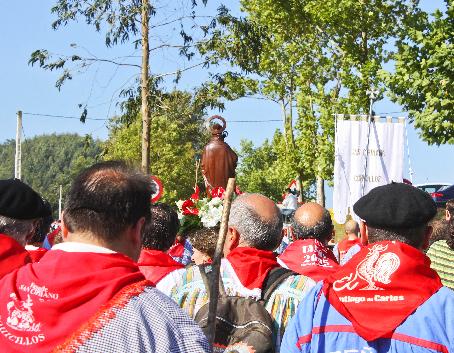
[[190, 294], [442, 258]]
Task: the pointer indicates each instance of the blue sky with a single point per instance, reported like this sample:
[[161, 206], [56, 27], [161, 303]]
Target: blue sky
[[32, 89]]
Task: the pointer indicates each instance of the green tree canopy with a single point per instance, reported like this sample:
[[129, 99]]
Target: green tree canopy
[[49, 161], [423, 80], [177, 125]]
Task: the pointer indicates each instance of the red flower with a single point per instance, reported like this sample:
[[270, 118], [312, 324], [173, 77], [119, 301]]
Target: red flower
[[217, 192], [188, 208], [195, 195], [238, 191]]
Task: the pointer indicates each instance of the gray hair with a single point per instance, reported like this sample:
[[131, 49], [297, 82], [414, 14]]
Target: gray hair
[[322, 230], [411, 236], [257, 232], [17, 229]]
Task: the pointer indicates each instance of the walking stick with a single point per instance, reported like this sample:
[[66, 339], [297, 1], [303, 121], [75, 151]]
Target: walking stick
[[214, 285]]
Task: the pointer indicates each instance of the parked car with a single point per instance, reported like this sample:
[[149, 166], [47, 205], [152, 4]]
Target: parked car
[[432, 187], [443, 195]]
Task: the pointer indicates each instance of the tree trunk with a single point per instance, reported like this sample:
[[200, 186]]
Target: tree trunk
[[144, 90], [299, 187], [320, 191]]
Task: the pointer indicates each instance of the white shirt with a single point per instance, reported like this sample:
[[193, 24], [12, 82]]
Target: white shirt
[[290, 202], [72, 246]]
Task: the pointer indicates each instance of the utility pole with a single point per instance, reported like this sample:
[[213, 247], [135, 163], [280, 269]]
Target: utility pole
[[59, 203], [145, 89], [18, 157]]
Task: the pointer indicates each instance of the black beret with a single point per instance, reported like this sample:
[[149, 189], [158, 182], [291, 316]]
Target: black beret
[[20, 201], [396, 205]]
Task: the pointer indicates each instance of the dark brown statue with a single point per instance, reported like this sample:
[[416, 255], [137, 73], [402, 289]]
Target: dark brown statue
[[218, 159]]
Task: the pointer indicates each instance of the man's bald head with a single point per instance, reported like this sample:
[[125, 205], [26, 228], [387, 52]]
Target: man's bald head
[[258, 221], [351, 227], [312, 221]]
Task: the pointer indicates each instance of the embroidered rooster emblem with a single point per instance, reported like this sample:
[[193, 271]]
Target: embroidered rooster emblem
[[376, 267]]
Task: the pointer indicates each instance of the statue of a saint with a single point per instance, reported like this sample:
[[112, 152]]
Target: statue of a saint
[[218, 159]]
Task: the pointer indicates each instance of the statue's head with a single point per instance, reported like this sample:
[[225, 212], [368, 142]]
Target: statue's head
[[216, 129]]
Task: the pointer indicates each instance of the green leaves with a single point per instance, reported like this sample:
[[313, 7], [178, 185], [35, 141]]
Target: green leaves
[[49, 161], [423, 78], [178, 135]]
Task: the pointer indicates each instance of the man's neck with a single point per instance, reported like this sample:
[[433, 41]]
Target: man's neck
[[352, 237], [90, 239]]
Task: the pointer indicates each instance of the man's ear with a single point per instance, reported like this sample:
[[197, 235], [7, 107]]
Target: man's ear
[[448, 215], [136, 232], [64, 229], [427, 235], [364, 233], [32, 231], [133, 238], [232, 240]]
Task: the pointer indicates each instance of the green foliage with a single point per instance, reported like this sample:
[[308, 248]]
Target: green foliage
[[49, 161], [178, 135], [264, 169], [319, 57], [424, 72]]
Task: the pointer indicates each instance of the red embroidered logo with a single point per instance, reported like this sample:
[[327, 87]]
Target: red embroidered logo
[[377, 267]]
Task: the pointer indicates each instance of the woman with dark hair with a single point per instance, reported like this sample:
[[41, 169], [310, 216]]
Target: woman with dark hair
[[204, 244]]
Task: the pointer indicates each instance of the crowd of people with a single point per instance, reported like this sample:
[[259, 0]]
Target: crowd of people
[[119, 277]]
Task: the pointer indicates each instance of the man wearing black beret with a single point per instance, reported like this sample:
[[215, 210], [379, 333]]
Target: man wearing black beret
[[386, 298], [20, 209]]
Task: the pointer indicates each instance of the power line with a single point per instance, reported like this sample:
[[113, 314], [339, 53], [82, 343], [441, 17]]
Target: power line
[[104, 119], [254, 121], [63, 116]]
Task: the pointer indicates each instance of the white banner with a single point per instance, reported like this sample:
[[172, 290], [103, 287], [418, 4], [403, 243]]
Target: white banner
[[384, 155]]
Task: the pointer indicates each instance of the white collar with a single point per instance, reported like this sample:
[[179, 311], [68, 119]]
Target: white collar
[[72, 246]]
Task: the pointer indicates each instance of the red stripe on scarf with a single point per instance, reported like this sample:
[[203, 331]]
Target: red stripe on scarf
[[45, 302], [395, 336], [381, 286], [252, 265], [311, 258], [155, 264], [12, 255]]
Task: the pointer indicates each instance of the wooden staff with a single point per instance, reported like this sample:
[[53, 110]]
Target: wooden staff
[[197, 165], [214, 285]]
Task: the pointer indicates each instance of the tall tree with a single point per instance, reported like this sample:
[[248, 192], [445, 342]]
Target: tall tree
[[144, 89], [124, 20], [318, 57], [180, 134], [423, 80]]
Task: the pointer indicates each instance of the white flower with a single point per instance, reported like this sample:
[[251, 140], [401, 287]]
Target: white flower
[[215, 201], [179, 203], [210, 212]]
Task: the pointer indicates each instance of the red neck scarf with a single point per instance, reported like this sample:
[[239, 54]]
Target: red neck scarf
[[177, 249], [37, 254], [12, 255], [44, 303], [345, 245], [311, 258], [155, 264], [381, 286], [252, 265]]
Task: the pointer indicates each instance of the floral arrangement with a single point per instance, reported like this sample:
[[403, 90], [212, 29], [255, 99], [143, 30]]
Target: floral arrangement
[[196, 212]]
